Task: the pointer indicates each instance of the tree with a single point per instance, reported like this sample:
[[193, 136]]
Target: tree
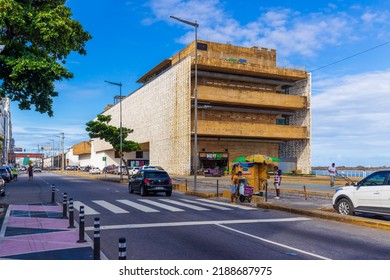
[[38, 36], [111, 134]]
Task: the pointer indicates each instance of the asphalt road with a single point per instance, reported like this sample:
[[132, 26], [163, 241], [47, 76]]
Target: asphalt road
[[192, 228]]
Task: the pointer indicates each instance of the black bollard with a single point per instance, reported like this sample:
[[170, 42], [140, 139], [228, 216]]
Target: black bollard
[[65, 206], [71, 214], [82, 226], [217, 188], [53, 194], [96, 239], [122, 248]]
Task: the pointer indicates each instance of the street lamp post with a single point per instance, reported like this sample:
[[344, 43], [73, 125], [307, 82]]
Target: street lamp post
[[120, 127], [195, 160]]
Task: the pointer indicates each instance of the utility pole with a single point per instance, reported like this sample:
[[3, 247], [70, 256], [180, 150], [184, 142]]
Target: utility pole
[[63, 154]]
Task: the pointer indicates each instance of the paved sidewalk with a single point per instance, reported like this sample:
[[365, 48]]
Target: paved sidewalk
[[38, 232]]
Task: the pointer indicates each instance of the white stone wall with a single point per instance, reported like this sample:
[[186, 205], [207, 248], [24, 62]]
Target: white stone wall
[[160, 113], [300, 149]]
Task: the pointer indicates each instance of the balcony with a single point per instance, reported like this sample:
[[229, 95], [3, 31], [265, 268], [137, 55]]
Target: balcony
[[250, 130], [244, 97]]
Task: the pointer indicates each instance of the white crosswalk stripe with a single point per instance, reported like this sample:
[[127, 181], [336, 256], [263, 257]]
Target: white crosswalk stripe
[[207, 204], [194, 207], [87, 210], [153, 206], [138, 206], [243, 207], [111, 207], [158, 204]]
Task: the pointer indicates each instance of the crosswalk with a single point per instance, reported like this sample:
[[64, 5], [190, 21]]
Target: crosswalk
[[124, 206]]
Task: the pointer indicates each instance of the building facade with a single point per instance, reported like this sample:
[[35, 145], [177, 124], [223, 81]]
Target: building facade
[[246, 105], [7, 142]]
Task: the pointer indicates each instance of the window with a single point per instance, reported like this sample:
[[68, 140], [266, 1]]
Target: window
[[375, 179], [139, 154]]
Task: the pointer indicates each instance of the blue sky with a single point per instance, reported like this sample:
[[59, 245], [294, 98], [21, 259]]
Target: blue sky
[[350, 99]]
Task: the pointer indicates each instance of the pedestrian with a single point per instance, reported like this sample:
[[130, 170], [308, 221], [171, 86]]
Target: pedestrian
[[15, 172], [332, 174], [234, 187], [30, 172], [277, 181]]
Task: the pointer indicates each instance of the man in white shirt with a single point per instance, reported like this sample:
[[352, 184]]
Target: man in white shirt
[[332, 173]]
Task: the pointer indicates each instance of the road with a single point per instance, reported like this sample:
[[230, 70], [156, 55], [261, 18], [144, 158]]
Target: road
[[192, 228]]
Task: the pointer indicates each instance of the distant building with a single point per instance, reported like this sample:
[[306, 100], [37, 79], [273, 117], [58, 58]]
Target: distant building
[[246, 105], [7, 142]]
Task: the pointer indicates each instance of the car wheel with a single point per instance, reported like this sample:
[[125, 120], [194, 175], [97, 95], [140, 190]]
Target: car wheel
[[142, 191], [345, 207], [168, 193], [130, 189]]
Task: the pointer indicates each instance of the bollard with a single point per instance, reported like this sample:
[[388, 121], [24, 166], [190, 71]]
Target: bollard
[[304, 191], [217, 188], [96, 239], [65, 206], [122, 248], [53, 194], [186, 184], [81, 226], [266, 191], [71, 214]]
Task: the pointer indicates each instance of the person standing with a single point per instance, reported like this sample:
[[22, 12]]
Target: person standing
[[15, 172], [332, 174], [277, 181], [30, 172], [234, 187]]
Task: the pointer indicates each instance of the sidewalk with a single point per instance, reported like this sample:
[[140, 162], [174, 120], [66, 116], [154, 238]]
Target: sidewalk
[[33, 228]]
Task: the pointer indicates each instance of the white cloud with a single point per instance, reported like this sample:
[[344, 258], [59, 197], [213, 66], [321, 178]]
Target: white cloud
[[288, 31], [351, 114]]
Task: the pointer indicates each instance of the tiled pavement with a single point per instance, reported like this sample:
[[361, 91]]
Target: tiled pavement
[[39, 232]]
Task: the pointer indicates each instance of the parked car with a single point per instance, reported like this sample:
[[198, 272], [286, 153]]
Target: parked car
[[10, 172], [119, 170], [37, 169], [155, 167], [134, 170], [2, 187], [5, 174], [95, 170], [370, 195], [151, 181]]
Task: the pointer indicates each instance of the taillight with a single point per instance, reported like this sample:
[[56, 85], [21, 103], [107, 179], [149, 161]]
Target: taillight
[[146, 181], [170, 181]]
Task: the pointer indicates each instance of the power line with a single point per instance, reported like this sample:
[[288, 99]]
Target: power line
[[338, 61]]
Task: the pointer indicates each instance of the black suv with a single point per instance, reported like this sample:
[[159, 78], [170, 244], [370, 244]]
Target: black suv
[[151, 181]]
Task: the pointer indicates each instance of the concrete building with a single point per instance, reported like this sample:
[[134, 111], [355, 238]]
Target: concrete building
[[246, 105], [7, 142]]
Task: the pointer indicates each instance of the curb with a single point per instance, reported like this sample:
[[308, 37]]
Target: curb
[[323, 214]]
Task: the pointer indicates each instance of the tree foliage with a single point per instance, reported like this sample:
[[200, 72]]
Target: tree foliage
[[38, 36], [111, 134]]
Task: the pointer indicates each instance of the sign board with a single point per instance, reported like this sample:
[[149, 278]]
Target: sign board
[[104, 158]]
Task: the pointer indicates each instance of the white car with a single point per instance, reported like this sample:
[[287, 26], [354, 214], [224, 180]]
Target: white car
[[370, 195], [95, 170], [134, 170]]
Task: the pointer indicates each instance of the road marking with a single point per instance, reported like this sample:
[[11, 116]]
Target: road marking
[[167, 207], [274, 243], [207, 204], [230, 205], [87, 210], [138, 206], [199, 223], [110, 207], [193, 207]]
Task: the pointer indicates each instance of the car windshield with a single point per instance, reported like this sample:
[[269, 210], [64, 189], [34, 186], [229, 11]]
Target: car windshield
[[162, 175]]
